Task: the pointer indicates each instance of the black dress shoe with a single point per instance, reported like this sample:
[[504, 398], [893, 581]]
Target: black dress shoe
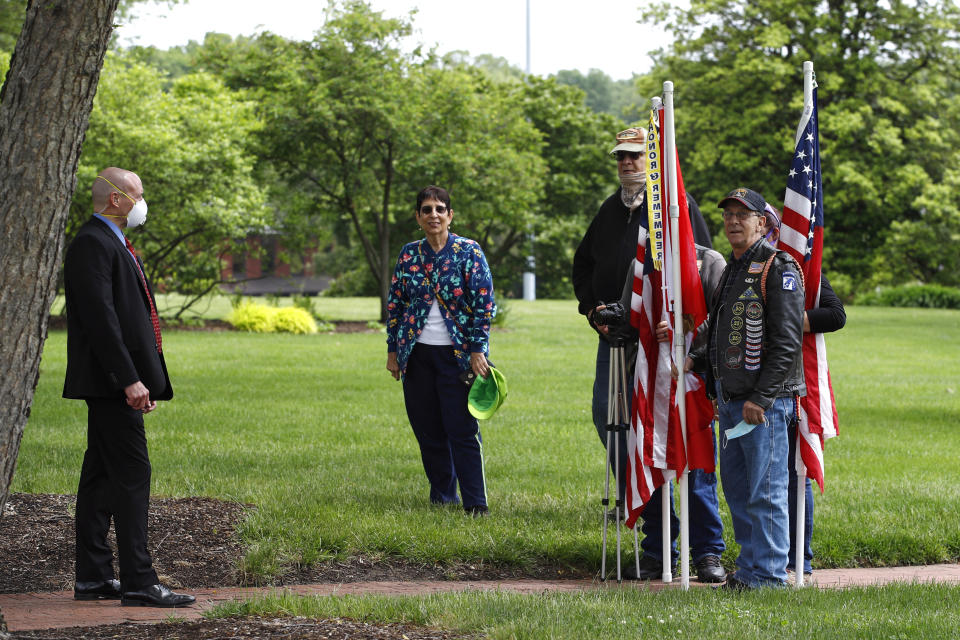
[[156, 595], [99, 590], [709, 569]]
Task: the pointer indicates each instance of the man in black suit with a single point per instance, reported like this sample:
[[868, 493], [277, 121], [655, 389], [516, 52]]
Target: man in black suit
[[115, 363]]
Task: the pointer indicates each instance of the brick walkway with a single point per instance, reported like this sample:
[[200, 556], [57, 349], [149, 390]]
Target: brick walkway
[[53, 610]]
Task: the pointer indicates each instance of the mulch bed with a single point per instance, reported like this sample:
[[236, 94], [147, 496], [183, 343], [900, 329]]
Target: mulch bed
[[194, 545], [287, 628]]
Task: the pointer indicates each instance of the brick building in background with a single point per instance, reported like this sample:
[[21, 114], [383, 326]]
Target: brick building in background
[[261, 266]]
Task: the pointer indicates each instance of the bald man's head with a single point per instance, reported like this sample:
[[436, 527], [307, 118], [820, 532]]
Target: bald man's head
[[115, 181]]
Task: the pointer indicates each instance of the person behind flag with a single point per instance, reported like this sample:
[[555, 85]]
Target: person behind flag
[[829, 315], [706, 528], [599, 268], [752, 359]]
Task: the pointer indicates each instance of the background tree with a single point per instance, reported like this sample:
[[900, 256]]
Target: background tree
[[581, 174], [603, 93], [888, 106], [191, 145], [45, 104], [354, 128]]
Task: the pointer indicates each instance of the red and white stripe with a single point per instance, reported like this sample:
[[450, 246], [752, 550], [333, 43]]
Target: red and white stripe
[[818, 412]]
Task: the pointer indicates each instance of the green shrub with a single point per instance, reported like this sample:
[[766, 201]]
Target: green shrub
[[260, 318], [248, 316], [294, 320], [930, 296]]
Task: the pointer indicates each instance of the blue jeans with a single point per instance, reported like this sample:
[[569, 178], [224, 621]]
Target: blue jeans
[[792, 501], [706, 530], [753, 469]]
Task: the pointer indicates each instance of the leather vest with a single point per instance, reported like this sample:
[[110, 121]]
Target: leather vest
[[755, 341]]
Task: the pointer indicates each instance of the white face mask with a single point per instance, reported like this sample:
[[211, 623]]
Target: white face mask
[[137, 215]]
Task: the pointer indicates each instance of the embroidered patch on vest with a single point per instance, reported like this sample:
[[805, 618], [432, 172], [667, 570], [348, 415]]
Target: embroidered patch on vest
[[749, 294], [755, 267], [754, 310], [733, 358], [789, 282]]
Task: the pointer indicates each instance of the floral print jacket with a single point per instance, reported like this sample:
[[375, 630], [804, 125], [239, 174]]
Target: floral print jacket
[[459, 275]]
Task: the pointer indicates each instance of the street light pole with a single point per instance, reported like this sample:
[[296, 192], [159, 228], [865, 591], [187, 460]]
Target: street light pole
[[530, 275]]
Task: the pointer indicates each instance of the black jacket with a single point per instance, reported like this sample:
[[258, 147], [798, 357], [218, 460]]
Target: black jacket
[[829, 315], [110, 339], [754, 341], [603, 257]]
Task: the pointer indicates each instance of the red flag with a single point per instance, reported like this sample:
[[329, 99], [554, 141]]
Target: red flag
[[655, 442], [801, 235]]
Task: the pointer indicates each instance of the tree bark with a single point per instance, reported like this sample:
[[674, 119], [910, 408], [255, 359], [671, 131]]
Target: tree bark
[[45, 107]]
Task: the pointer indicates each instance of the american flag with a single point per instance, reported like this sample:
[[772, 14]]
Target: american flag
[[655, 441], [801, 235]]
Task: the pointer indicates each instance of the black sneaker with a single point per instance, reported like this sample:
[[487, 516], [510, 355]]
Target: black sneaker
[[709, 569], [477, 511]]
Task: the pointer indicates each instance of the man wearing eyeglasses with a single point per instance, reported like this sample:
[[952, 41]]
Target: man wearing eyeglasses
[[600, 267], [752, 359]]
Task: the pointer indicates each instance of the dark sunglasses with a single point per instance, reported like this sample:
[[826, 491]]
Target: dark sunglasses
[[427, 209], [634, 155]]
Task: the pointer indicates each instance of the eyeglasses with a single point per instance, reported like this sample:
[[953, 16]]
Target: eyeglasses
[[634, 155], [427, 209], [740, 215]]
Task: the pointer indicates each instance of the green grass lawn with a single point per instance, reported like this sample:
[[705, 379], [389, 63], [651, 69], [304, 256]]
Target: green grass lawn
[[313, 431], [896, 611]]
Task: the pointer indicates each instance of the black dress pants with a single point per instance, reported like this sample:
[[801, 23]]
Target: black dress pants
[[114, 482]]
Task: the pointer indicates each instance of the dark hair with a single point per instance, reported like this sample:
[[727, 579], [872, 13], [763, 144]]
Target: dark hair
[[433, 193]]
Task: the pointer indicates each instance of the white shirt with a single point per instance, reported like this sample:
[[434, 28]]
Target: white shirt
[[435, 329]]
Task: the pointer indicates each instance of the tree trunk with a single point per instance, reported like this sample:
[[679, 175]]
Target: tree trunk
[[44, 110]]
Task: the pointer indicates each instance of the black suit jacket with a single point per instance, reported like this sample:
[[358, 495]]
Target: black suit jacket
[[110, 340]]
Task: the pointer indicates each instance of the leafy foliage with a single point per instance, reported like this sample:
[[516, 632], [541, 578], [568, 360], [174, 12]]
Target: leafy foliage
[[930, 296], [354, 128], [581, 173], [189, 146], [293, 320], [889, 107], [604, 94], [259, 318]]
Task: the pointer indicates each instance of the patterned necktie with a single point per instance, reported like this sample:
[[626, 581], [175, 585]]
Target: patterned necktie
[[154, 319]]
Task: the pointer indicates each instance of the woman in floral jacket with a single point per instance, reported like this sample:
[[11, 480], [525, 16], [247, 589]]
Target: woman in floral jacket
[[440, 306]]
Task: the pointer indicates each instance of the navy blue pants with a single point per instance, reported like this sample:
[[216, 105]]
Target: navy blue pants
[[448, 435]]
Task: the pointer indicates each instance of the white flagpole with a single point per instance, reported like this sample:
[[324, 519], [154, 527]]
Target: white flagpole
[[800, 533], [679, 339], [666, 566]]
